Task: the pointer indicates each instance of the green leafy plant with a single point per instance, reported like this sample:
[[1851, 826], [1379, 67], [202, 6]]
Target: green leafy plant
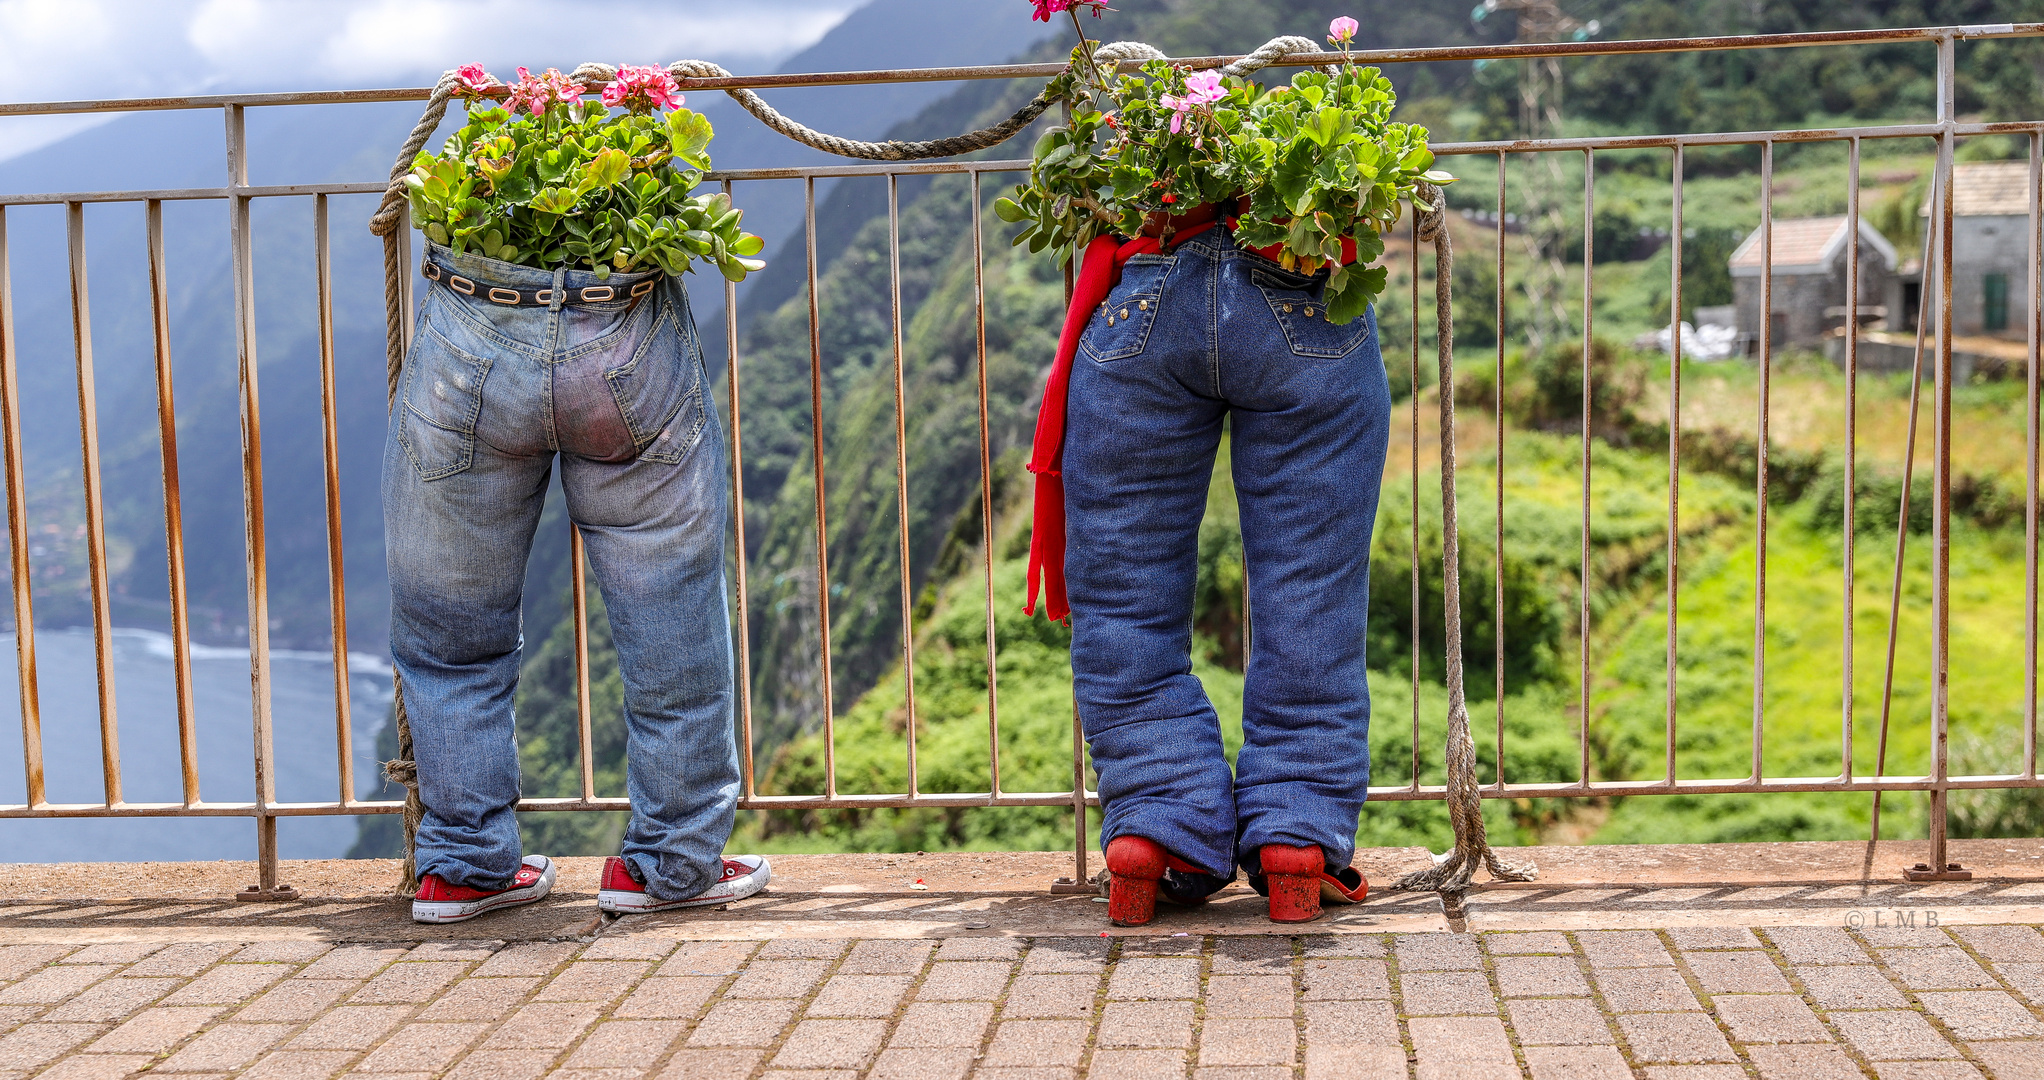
[[1319, 160], [546, 180]]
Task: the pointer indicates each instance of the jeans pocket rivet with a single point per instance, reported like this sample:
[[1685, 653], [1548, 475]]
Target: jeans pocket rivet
[[1124, 313], [1288, 309]]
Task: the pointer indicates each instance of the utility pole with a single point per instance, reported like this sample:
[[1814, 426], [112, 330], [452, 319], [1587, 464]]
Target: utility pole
[[1540, 92]]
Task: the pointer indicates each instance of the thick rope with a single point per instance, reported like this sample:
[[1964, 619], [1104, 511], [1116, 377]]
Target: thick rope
[[1451, 872], [1270, 52], [386, 217], [385, 221]]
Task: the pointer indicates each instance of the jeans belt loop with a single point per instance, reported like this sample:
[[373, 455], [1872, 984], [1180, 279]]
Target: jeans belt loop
[[560, 290]]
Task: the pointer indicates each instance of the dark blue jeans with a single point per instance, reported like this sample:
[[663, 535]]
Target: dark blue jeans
[[1206, 333]]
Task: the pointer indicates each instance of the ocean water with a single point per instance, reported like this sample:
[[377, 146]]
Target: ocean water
[[145, 702]]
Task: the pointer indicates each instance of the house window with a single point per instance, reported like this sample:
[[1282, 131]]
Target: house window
[[1994, 299]]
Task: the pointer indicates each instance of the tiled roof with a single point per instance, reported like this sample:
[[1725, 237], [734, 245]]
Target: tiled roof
[[1809, 245], [1988, 188]]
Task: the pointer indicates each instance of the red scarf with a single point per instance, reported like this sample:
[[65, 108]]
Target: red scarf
[[1099, 273]]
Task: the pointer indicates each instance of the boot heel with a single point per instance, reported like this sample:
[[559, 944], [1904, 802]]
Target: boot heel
[[1133, 866], [1293, 877]]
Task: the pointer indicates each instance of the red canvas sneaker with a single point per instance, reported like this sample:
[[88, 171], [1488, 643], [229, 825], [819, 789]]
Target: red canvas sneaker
[[625, 895], [440, 902]]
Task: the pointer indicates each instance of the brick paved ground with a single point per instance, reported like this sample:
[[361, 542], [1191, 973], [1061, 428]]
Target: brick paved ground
[[1695, 1003]]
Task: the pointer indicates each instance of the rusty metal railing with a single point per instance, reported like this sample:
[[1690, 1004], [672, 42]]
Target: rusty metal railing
[[238, 194]]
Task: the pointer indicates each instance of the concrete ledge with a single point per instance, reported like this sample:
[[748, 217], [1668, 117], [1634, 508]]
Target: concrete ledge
[[1007, 894]]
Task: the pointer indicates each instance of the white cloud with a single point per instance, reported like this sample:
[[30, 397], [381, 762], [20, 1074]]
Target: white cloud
[[69, 49]]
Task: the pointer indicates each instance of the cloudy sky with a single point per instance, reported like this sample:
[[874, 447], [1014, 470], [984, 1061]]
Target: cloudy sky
[[67, 49]]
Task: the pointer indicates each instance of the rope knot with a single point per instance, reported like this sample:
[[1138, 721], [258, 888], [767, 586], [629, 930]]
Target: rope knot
[[1431, 206], [1270, 52], [696, 69], [402, 771]]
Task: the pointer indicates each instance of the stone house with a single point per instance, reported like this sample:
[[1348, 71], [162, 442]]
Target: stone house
[[1809, 300], [1990, 251]]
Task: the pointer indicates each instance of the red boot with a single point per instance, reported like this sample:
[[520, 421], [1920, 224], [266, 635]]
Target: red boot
[[1134, 866]]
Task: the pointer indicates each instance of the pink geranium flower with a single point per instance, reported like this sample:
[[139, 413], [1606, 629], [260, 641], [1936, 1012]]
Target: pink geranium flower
[[642, 89], [1342, 31], [534, 93], [1046, 8], [1201, 88], [471, 81]]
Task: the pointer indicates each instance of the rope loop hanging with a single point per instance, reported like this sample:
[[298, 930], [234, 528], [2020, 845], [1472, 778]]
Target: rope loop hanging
[[1451, 872]]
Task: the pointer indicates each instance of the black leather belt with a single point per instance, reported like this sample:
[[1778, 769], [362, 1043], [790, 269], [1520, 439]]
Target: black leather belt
[[497, 294]]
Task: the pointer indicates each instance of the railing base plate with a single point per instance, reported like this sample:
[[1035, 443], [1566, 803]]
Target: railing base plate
[[258, 894], [1951, 872], [1065, 886]]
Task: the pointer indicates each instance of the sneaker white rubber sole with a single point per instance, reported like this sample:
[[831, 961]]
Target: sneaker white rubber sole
[[451, 911], [621, 902]]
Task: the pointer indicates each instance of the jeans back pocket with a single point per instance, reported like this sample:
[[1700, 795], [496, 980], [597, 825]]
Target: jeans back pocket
[[1298, 303], [1120, 327], [659, 390], [442, 397]]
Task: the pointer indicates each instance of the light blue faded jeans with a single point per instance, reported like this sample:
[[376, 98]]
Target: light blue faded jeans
[[1209, 333], [491, 395]]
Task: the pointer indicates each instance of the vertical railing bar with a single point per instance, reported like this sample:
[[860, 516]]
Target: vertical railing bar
[[2034, 247], [1850, 538], [584, 733], [1760, 479], [254, 535], [1674, 455], [908, 628], [17, 540], [986, 484], [1497, 622], [1941, 519], [173, 509], [336, 569], [822, 520], [1078, 795], [95, 511], [1932, 238], [1583, 593], [744, 595], [1413, 385]]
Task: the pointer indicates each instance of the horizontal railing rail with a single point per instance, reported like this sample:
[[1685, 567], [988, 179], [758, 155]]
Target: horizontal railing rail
[[264, 806]]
